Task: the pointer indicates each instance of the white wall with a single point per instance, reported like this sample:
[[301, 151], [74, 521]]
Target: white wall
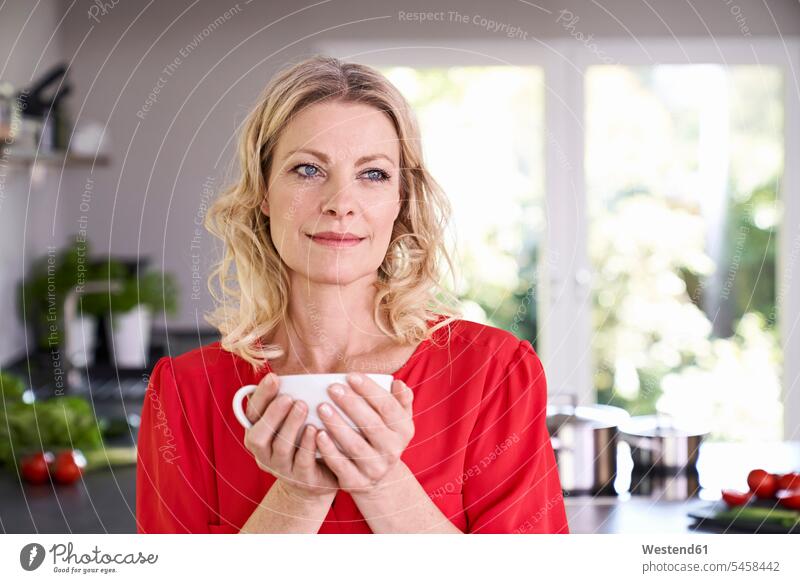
[[29, 46]]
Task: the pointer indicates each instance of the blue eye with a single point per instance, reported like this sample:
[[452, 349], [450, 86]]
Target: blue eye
[[377, 175], [304, 174], [307, 171]]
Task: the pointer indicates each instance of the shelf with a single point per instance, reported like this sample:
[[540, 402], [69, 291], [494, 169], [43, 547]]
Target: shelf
[[52, 159]]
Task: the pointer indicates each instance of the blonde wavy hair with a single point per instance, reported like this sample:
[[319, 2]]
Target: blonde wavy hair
[[253, 280]]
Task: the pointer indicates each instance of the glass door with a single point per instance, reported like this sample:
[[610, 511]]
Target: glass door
[[683, 167], [482, 134]]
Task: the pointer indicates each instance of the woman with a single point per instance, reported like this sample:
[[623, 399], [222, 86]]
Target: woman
[[334, 232]]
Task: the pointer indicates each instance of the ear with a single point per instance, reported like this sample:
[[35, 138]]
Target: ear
[[265, 207]]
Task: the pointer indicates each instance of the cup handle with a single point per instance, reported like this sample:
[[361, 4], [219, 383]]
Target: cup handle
[[238, 399]]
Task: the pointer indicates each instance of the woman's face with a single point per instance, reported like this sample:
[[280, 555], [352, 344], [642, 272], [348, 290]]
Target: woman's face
[[335, 170]]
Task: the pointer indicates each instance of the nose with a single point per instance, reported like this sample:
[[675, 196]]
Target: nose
[[341, 199]]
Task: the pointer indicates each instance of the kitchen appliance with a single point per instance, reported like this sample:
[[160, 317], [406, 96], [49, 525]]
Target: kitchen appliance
[[584, 439], [664, 451], [9, 114], [43, 114]]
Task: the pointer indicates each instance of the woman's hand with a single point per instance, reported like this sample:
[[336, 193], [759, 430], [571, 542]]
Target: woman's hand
[[385, 419], [277, 421]]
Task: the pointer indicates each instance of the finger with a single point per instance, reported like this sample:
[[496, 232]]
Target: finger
[[360, 412], [350, 441], [345, 470], [305, 458], [403, 393], [261, 434], [284, 442], [265, 392], [382, 402]]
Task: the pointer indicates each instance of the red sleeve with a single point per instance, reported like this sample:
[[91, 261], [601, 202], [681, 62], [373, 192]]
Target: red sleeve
[[171, 492], [511, 480]]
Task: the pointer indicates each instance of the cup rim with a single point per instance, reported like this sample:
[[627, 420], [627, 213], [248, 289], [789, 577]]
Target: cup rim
[[325, 374]]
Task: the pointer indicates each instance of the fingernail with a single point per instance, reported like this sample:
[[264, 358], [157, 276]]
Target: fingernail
[[285, 399], [323, 436], [299, 406], [337, 390], [325, 410], [356, 378]]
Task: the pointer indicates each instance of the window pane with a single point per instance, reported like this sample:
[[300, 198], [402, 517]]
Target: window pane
[[482, 138], [683, 164]]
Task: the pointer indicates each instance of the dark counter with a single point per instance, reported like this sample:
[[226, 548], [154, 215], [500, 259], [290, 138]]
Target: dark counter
[[105, 500]]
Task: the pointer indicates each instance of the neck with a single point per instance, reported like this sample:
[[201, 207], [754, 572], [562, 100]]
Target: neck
[[329, 324]]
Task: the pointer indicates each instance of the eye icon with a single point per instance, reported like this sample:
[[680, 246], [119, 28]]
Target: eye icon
[[31, 556]]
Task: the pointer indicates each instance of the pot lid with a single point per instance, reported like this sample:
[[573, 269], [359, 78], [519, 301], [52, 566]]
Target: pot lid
[[596, 415], [662, 426]]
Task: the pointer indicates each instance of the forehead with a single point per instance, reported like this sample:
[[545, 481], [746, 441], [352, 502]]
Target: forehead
[[343, 131]]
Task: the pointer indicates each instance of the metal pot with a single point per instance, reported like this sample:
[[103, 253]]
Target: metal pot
[[662, 445], [664, 454], [584, 439]]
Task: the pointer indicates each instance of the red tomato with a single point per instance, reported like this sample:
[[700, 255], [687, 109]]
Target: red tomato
[[735, 498], [67, 473], [789, 498], [66, 470], [74, 456], [35, 469], [762, 483], [790, 481]]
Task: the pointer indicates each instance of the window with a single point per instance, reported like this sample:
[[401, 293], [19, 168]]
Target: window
[[496, 192], [683, 164]]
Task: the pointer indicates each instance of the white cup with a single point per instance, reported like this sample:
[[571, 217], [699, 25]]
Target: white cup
[[311, 389]]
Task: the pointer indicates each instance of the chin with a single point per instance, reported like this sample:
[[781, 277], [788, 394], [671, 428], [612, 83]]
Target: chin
[[329, 274]]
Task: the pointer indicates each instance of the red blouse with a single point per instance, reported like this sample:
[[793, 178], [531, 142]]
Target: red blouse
[[481, 449]]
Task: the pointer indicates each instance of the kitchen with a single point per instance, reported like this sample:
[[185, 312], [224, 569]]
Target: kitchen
[[118, 132]]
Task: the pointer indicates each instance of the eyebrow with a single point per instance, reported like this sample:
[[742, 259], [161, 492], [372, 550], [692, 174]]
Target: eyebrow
[[322, 156]]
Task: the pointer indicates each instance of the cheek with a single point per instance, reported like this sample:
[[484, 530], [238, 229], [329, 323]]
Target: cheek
[[281, 196], [384, 220], [288, 205]]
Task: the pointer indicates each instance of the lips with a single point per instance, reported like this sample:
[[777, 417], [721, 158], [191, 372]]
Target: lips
[[333, 239], [333, 236]]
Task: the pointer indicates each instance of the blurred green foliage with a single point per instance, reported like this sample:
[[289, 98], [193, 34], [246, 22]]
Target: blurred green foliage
[[158, 291], [651, 330], [41, 295]]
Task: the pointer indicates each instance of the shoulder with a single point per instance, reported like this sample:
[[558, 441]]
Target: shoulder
[[509, 365], [199, 372], [469, 337], [203, 360]]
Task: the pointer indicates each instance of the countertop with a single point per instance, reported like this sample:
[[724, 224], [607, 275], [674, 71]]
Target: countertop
[[105, 503], [105, 500]]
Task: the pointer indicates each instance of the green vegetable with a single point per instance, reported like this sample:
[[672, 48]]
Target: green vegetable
[[56, 423], [785, 518], [106, 457], [11, 388]]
